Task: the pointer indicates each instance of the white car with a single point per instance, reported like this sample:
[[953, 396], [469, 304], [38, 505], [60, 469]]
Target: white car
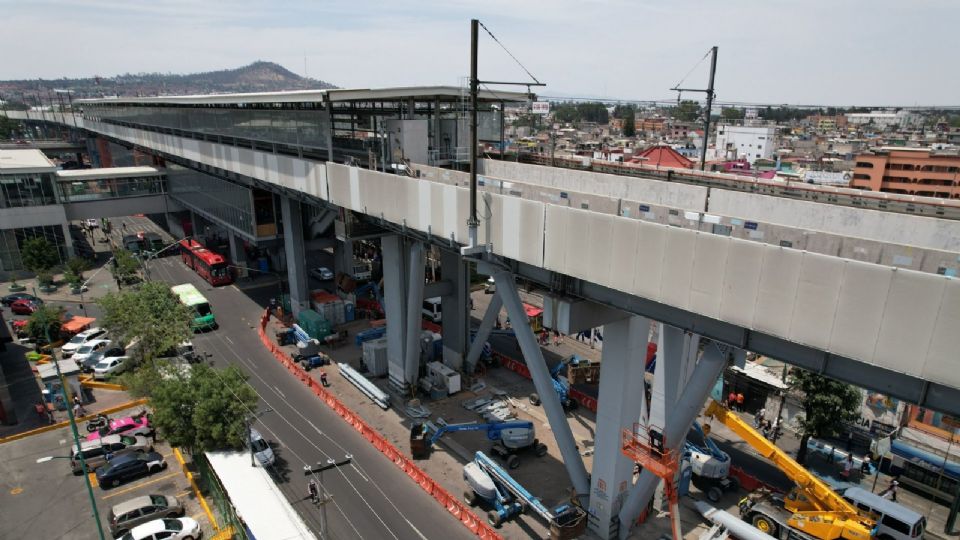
[[169, 529], [261, 449], [76, 341], [85, 351], [93, 223], [322, 273], [111, 366]]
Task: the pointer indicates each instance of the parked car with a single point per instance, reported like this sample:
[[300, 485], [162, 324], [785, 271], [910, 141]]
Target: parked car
[[76, 341], [87, 349], [11, 298], [24, 306], [111, 366], [169, 529], [123, 468], [261, 449], [131, 425], [96, 357], [322, 273], [140, 510], [97, 453]]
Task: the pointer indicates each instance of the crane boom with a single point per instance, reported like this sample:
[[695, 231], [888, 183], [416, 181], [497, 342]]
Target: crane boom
[[819, 494]]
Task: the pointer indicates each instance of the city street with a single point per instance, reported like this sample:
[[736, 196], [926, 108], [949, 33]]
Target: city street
[[371, 498]]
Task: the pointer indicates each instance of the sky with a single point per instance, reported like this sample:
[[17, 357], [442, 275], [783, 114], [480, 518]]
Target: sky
[[829, 52]]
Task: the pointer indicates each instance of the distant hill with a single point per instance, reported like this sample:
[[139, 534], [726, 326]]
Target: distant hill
[[257, 77]]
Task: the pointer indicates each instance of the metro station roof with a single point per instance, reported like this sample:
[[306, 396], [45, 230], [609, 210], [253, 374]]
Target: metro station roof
[[445, 94], [24, 161]]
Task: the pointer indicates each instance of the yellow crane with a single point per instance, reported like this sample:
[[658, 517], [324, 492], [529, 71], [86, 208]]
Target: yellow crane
[[811, 509]]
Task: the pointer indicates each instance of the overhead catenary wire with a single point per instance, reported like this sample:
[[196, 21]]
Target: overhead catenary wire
[[502, 46], [695, 66]]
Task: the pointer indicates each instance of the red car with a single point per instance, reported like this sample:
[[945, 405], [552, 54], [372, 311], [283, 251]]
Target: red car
[[131, 425], [24, 307]]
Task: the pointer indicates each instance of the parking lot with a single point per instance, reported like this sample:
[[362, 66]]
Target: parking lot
[[45, 500]]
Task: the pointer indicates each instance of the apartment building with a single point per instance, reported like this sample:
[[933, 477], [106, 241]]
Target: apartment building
[[745, 142], [912, 171]]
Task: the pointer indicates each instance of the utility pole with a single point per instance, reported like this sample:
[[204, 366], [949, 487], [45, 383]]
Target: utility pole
[[710, 95], [473, 222]]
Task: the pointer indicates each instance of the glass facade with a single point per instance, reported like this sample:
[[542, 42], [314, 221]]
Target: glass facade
[[304, 126], [31, 189], [12, 239], [231, 203], [110, 188]]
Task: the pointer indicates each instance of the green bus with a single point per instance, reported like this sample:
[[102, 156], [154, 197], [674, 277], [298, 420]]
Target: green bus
[[189, 296]]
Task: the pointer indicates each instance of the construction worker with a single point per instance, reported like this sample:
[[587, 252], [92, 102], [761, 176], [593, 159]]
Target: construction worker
[[323, 378]]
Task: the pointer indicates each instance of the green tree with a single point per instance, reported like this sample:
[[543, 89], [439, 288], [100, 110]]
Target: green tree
[[629, 126], [151, 313], [45, 321], [77, 265], [827, 406], [566, 113], [624, 111], [39, 255], [125, 265], [687, 111], [732, 113], [201, 409]]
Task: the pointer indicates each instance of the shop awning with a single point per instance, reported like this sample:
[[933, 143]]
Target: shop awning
[[77, 324], [532, 311]]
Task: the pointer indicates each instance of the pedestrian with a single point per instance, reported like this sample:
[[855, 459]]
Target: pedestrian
[[497, 324], [891, 491], [849, 441], [847, 466], [865, 465], [323, 378], [123, 227], [76, 399], [76, 410], [41, 410], [556, 338], [544, 340], [739, 401], [732, 400]]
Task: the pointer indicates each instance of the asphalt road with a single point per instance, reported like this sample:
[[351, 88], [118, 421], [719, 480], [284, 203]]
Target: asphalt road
[[371, 498]]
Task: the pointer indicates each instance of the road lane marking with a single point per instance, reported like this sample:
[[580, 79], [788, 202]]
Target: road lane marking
[[138, 486], [354, 467], [279, 392], [228, 339]]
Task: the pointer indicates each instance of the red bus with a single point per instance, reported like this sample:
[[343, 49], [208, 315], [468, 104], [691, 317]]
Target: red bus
[[209, 265]]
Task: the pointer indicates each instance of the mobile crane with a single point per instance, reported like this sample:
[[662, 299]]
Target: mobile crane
[[810, 511], [508, 438]]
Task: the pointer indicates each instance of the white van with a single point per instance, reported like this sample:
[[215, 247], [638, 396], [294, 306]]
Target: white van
[[894, 521], [431, 309], [261, 449]]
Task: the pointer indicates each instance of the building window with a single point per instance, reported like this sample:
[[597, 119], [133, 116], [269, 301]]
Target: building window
[[865, 164], [786, 243]]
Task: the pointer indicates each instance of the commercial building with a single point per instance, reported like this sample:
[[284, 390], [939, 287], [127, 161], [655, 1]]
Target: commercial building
[[745, 142], [911, 171], [29, 206], [885, 119]]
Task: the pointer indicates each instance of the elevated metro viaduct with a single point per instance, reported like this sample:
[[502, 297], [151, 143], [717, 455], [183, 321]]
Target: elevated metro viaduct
[[881, 327]]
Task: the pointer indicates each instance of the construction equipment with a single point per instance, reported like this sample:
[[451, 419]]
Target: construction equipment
[[728, 524], [644, 446], [561, 385], [508, 437], [492, 485], [711, 466], [362, 296], [810, 511]]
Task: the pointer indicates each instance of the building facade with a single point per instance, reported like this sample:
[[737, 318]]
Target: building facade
[[911, 171], [29, 206], [746, 142]]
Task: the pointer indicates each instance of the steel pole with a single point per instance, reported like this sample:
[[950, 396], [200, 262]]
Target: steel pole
[[706, 123], [76, 439], [473, 222]]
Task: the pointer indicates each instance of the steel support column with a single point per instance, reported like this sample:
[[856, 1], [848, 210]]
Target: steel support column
[[679, 420], [507, 291], [293, 248], [483, 332], [394, 291], [414, 305], [622, 402]]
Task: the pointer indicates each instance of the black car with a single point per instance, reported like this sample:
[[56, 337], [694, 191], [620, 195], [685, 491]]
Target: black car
[[127, 467], [11, 298]]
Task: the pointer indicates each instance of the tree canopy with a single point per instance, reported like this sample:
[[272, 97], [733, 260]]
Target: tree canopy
[[150, 313], [581, 112], [827, 406], [732, 113], [686, 111], [125, 265], [43, 323], [200, 409], [39, 255]]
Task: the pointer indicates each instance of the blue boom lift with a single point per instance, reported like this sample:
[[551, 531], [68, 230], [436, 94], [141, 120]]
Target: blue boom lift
[[560, 384], [490, 484], [508, 438]]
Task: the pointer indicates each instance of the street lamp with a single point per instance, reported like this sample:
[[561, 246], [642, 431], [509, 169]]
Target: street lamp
[[76, 439], [143, 262], [83, 286]]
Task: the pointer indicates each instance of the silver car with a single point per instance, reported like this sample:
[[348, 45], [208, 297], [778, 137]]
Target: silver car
[[138, 510], [97, 452]]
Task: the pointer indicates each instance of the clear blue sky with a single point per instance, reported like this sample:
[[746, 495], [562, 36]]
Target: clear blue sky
[[812, 51]]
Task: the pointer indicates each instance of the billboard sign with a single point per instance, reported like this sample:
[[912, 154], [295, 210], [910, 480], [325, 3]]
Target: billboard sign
[[540, 107]]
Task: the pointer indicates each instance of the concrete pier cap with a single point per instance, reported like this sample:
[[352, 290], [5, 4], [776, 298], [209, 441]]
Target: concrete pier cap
[[571, 315]]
